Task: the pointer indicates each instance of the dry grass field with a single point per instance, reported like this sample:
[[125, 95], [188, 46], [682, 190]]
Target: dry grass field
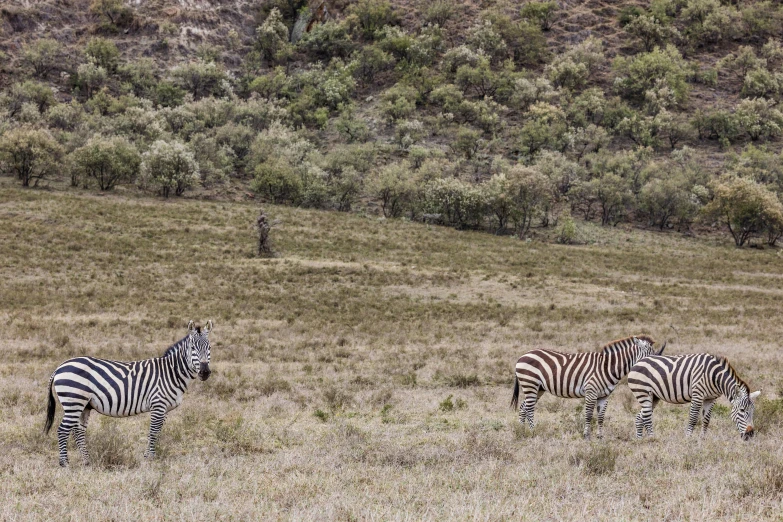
[[366, 373]]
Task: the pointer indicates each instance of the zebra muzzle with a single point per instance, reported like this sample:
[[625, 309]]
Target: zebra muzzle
[[204, 372], [749, 432]]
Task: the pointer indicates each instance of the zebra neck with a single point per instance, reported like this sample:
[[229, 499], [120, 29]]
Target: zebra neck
[[179, 365], [620, 362], [725, 381]]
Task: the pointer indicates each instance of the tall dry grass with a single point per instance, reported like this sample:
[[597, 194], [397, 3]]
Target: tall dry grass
[[366, 373]]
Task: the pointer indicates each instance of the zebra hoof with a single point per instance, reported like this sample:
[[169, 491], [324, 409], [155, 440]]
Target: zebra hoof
[[63, 463]]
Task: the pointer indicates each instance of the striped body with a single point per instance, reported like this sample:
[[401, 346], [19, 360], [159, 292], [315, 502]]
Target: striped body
[[592, 375], [698, 379], [124, 389]]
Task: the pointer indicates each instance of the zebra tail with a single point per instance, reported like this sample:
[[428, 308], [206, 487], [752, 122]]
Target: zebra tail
[[50, 408], [515, 397]]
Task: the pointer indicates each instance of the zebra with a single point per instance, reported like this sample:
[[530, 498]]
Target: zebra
[[122, 389], [592, 375], [696, 378]]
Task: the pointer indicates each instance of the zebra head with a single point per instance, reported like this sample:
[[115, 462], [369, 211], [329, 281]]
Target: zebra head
[[645, 347], [742, 406], [198, 343]]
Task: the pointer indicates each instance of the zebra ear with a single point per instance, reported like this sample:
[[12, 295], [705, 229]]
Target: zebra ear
[[208, 327], [754, 395], [191, 327]]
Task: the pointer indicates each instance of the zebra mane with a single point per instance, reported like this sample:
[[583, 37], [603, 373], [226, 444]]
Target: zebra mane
[[613, 345], [171, 350], [733, 372]]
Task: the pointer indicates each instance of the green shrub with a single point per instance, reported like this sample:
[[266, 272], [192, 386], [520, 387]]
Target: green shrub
[[393, 186], [707, 21], [272, 38], [541, 12], [459, 203], [650, 31], [107, 161], [327, 40], [368, 17], [28, 91], [370, 60], [41, 56], [202, 79], [759, 118], [747, 208], [641, 73], [31, 155], [483, 37], [169, 167], [439, 12], [399, 102], [762, 83], [114, 13], [103, 53]]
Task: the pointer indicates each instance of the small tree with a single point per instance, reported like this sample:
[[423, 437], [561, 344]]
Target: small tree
[[113, 12], [748, 209], [532, 192], [108, 161], [169, 167], [29, 154], [542, 12], [393, 186], [368, 17], [272, 38], [41, 55], [103, 53]]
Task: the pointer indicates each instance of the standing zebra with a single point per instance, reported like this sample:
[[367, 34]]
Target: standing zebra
[[592, 375], [122, 389], [696, 378]]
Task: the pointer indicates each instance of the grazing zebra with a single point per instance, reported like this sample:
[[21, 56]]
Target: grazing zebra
[[696, 378], [122, 389], [592, 375]]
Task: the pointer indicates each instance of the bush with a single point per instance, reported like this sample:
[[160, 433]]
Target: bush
[[439, 12], [103, 53], [541, 12], [643, 72], [484, 38], [392, 185], [707, 21], [90, 77], [42, 56], [169, 166], [651, 31], [114, 13], [532, 194], [747, 208], [523, 38], [761, 83], [545, 128], [202, 79], [459, 203], [399, 102], [31, 155], [29, 91], [351, 126], [278, 182], [272, 38], [108, 161], [369, 60], [327, 40], [667, 197], [368, 17], [758, 118]]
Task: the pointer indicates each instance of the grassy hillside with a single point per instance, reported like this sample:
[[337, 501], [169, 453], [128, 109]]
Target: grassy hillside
[[367, 371], [492, 115]]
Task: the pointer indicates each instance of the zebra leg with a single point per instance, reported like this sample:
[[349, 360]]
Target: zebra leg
[[693, 415], [69, 422], [531, 398], [707, 409], [590, 400], [79, 432], [157, 418], [644, 417], [602, 403]]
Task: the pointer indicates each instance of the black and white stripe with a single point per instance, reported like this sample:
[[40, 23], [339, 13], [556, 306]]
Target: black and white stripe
[[592, 375], [696, 378], [122, 389]]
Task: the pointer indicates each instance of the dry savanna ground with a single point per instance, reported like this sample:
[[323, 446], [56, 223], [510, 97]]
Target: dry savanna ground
[[366, 373]]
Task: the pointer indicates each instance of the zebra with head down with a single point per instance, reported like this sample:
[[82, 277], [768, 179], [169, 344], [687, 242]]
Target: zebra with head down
[[592, 375], [123, 389]]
